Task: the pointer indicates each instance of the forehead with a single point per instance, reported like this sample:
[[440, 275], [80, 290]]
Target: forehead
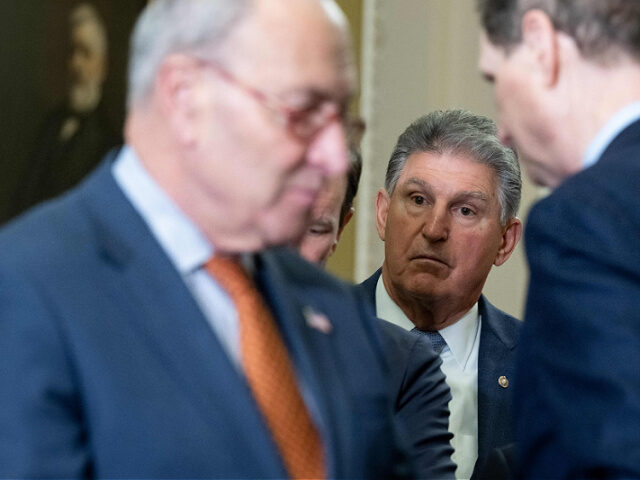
[[448, 173], [294, 44]]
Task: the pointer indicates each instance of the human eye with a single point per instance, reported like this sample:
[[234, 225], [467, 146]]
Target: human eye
[[417, 199], [319, 230], [466, 211]]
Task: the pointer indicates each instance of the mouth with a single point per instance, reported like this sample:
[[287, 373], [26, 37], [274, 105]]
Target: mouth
[[430, 259]]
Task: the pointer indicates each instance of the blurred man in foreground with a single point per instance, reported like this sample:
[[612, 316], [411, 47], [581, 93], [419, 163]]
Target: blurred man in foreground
[[146, 331], [447, 214], [567, 84]]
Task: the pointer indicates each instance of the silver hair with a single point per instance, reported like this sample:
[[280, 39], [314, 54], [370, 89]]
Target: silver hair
[[172, 26], [461, 132]]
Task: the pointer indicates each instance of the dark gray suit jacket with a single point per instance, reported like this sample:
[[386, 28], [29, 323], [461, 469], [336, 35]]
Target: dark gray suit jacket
[[496, 358], [421, 400]]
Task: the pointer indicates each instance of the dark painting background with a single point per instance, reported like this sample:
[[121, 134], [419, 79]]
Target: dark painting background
[[34, 47]]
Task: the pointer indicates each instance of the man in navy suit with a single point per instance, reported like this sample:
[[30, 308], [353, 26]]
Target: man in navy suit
[[421, 395], [447, 213], [567, 85], [123, 348]]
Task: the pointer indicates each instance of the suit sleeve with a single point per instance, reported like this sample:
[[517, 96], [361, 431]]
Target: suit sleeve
[[41, 433], [578, 391], [421, 401]]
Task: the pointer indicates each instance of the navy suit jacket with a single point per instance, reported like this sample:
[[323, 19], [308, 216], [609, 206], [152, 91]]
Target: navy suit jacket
[[109, 369], [421, 400], [578, 369], [496, 358]]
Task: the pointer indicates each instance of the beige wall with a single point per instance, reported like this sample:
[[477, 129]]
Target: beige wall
[[417, 56]]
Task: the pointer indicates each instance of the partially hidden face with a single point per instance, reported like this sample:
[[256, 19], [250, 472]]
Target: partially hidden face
[[247, 158], [321, 237], [527, 114], [441, 228]]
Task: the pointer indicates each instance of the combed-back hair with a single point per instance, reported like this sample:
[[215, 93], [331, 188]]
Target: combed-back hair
[[460, 132]]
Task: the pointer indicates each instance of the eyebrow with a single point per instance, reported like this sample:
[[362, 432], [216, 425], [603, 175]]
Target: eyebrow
[[472, 194], [475, 195]]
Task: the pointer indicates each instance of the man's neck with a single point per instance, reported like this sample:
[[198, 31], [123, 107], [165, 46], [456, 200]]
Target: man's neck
[[426, 312], [600, 92]]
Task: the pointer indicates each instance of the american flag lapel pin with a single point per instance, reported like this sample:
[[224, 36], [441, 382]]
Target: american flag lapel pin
[[317, 320]]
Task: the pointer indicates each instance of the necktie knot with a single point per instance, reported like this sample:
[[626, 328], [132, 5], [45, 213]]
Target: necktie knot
[[437, 342], [270, 373], [230, 274]]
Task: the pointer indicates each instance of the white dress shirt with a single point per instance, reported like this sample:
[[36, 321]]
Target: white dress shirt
[[460, 366], [184, 244], [614, 126]]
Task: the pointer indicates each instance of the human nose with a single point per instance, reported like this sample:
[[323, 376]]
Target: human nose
[[328, 150], [436, 225]]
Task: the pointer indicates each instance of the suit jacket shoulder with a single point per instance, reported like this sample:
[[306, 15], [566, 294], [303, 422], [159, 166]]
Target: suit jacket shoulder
[[581, 337]]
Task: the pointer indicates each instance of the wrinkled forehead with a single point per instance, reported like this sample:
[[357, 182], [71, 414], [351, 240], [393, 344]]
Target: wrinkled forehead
[[294, 44]]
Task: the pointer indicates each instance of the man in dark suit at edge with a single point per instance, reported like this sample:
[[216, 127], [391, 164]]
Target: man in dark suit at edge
[[147, 330], [567, 85], [447, 214], [421, 395]]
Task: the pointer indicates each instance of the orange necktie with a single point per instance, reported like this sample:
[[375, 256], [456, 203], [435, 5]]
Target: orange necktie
[[270, 373]]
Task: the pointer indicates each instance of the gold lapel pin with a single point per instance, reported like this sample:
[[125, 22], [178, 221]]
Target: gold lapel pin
[[503, 381]]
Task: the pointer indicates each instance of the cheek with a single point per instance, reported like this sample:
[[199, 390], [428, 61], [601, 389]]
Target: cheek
[[476, 253]]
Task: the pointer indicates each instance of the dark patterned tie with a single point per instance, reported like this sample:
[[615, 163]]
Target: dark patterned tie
[[437, 342]]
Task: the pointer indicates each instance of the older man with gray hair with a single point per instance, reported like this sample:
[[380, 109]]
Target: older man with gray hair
[[148, 329], [447, 214]]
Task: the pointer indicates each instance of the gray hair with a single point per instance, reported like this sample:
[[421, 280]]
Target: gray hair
[[600, 28], [172, 26], [461, 132]]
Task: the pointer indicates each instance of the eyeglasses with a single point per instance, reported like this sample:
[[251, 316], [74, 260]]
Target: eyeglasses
[[303, 123]]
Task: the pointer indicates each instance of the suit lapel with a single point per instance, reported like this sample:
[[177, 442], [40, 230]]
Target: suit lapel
[[495, 360], [153, 296]]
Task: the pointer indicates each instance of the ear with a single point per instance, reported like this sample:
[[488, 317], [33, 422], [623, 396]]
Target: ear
[[177, 88], [347, 217], [540, 38], [511, 234], [346, 220], [382, 209]]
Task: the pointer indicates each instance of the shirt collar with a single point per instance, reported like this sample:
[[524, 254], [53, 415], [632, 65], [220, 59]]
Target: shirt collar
[[181, 240], [609, 131], [389, 310], [460, 336]]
